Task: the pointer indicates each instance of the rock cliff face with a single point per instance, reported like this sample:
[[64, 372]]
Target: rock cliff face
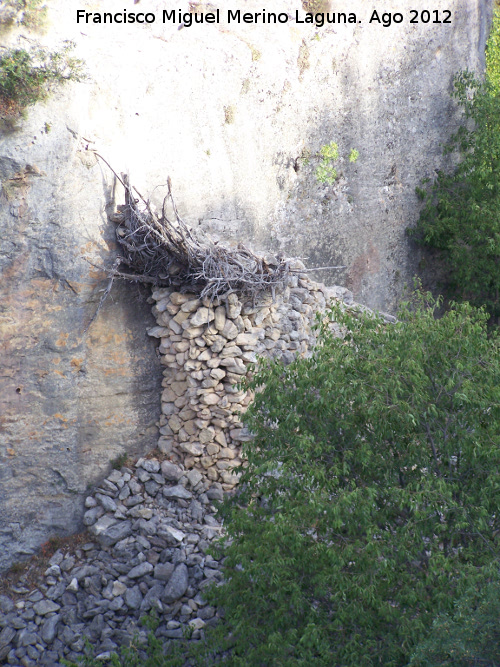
[[236, 115]]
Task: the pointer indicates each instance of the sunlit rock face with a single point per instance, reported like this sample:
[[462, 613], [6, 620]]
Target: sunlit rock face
[[236, 113]]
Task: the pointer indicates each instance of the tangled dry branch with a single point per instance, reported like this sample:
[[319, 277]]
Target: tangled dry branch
[[164, 252]]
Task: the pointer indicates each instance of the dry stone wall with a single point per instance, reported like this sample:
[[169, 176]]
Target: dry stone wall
[[207, 348]]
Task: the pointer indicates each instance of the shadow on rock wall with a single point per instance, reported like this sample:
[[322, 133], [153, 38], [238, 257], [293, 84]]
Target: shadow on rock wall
[[70, 401]]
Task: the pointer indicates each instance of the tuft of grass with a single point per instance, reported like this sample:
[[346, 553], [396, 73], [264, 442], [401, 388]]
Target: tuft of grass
[[17, 568], [118, 462]]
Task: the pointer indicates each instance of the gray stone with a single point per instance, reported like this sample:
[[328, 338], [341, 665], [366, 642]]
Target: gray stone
[[116, 603], [215, 493], [27, 638], [56, 558], [45, 607], [17, 623], [202, 316], [175, 492], [211, 521], [6, 636], [6, 604], [172, 534], [102, 525], [49, 628], [91, 515], [124, 493], [152, 488], [196, 510], [115, 477], [96, 627], [115, 533], [133, 597], [52, 571], [152, 598], [131, 501], [193, 448], [150, 465], [174, 634], [177, 584], [119, 588], [206, 613], [107, 503], [56, 591], [171, 471], [163, 571], [67, 564], [142, 475], [194, 476], [73, 585], [140, 570]]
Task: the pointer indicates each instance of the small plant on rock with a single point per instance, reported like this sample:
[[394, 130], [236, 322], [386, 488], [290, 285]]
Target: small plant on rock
[[328, 155], [26, 77]]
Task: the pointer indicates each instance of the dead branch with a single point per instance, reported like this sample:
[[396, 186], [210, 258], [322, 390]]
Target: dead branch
[[164, 252]]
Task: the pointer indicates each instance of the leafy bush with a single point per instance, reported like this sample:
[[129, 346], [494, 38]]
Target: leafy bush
[[27, 77], [461, 213], [370, 500], [470, 635]]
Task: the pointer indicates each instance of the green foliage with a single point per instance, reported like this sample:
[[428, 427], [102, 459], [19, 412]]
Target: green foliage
[[27, 77], [329, 151], [353, 155], [370, 500], [470, 635], [461, 212], [325, 171], [119, 461]]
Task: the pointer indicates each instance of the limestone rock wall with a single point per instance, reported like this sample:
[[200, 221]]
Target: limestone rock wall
[[71, 400]]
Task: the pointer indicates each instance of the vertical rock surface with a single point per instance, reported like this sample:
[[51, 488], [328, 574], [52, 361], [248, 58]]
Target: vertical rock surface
[[235, 114]]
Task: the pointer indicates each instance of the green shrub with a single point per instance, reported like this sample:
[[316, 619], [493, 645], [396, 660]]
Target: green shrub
[[461, 213], [370, 500], [470, 635], [27, 77]]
